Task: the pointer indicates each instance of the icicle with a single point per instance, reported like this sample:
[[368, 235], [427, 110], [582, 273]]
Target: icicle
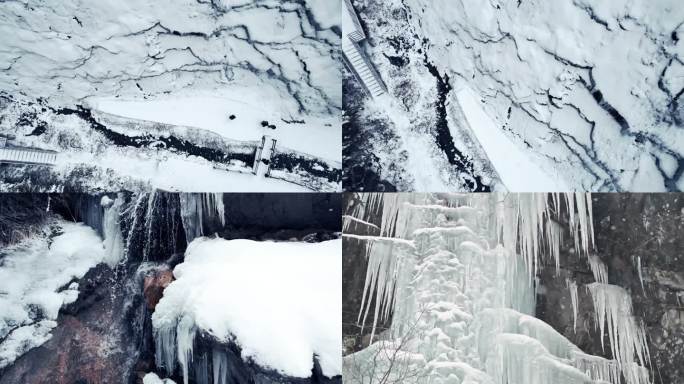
[[134, 212], [113, 238], [347, 222], [572, 286], [195, 207], [149, 220], [613, 312], [461, 265], [220, 366], [201, 368], [598, 368], [165, 348], [185, 339], [191, 215], [641, 276], [386, 269], [390, 215], [598, 269]]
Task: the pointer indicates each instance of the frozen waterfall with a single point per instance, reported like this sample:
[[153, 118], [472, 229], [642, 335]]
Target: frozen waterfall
[[457, 275]]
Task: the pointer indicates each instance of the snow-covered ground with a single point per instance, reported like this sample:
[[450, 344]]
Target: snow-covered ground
[[318, 136], [587, 90], [37, 277], [222, 67], [280, 302]]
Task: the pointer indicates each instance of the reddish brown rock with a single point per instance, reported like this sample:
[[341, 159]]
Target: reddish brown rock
[[91, 345], [154, 285]]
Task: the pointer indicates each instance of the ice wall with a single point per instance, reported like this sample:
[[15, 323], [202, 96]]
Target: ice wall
[[457, 273]]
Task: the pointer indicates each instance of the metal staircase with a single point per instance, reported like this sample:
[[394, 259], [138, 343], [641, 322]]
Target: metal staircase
[[356, 60]]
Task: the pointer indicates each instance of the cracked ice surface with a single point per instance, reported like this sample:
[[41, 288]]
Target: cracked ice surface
[[186, 63], [587, 90]]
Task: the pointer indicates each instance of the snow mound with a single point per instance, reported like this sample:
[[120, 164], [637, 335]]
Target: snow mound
[[152, 378], [279, 301], [31, 275]]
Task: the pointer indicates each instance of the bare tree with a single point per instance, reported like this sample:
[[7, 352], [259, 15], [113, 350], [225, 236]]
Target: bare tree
[[387, 361]]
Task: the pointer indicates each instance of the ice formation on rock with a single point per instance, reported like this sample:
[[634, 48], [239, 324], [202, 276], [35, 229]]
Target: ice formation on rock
[[36, 281], [195, 207], [224, 290], [111, 228], [457, 273], [613, 313], [598, 269]]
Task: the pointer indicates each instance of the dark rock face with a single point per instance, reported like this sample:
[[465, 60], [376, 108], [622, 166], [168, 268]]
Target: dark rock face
[[272, 211], [629, 228], [356, 336]]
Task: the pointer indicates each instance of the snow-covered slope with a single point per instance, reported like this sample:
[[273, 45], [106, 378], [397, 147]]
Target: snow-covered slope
[[589, 91], [238, 71]]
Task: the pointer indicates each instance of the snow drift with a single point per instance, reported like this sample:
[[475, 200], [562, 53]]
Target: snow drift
[[278, 301]]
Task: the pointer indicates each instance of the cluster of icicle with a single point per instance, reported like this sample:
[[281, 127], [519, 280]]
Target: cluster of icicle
[[492, 245], [111, 229], [195, 207], [175, 338], [174, 346]]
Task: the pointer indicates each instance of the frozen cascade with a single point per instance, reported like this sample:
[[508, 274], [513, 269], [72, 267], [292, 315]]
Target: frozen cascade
[[613, 313], [113, 239], [598, 269], [522, 221], [389, 265], [151, 224], [195, 207], [457, 275]]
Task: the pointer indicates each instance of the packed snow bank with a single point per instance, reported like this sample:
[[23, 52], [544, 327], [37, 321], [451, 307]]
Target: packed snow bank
[[31, 276], [279, 301], [237, 120], [152, 378], [506, 157]]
